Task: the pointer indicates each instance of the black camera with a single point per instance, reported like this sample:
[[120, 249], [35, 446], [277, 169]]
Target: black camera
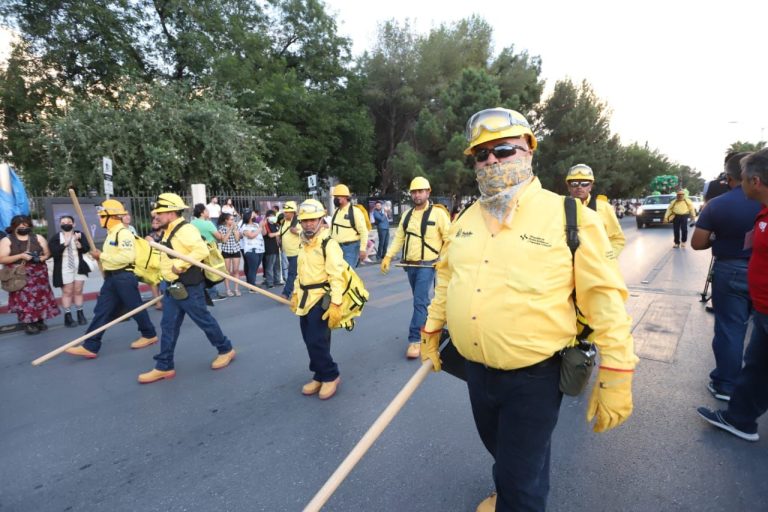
[[35, 256]]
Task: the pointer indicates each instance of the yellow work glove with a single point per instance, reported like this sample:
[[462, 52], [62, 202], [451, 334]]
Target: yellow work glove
[[611, 400], [430, 348], [294, 302], [385, 261], [333, 315]]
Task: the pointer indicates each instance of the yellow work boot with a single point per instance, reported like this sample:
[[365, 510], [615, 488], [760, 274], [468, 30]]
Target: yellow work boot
[[81, 351], [144, 342], [328, 389], [156, 375], [488, 504], [223, 360], [311, 387], [414, 351]]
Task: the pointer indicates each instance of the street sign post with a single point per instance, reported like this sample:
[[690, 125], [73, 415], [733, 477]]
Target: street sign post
[[106, 165], [312, 184]]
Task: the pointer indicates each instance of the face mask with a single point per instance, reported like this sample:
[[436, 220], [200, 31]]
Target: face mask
[[499, 182], [336, 202], [23, 231], [67, 227], [272, 219]]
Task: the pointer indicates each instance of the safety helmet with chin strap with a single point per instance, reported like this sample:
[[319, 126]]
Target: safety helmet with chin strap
[[169, 202], [311, 209], [497, 123]]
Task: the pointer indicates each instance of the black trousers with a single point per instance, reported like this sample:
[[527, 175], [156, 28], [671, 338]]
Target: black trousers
[[680, 227], [515, 413]]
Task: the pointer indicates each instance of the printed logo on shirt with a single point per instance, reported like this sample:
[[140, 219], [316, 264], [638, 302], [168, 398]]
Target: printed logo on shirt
[[535, 240], [463, 234], [762, 225]]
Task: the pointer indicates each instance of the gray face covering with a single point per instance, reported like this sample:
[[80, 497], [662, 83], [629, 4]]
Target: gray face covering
[[500, 182]]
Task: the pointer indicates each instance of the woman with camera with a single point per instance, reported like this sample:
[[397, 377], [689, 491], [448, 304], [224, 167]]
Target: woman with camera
[[70, 270], [33, 302]]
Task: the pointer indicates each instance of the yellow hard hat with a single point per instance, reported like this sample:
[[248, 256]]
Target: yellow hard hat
[[169, 202], [497, 123], [580, 172], [289, 206], [341, 190], [419, 183], [112, 207], [311, 209]]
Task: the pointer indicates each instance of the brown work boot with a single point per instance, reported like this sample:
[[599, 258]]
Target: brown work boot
[[156, 375], [414, 351], [223, 360], [144, 342], [328, 389], [311, 387], [488, 504], [81, 351]]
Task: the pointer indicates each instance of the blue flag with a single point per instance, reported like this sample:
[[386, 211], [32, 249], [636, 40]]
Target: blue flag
[[14, 202]]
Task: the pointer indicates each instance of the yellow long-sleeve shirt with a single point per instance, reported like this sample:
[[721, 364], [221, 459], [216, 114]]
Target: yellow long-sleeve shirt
[[188, 241], [290, 240], [312, 269], [342, 230], [680, 207], [118, 250], [417, 249], [505, 290], [612, 226]]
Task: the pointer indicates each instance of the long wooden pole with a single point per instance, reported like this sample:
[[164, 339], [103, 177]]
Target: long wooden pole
[[50, 355], [218, 272], [373, 433], [86, 229]]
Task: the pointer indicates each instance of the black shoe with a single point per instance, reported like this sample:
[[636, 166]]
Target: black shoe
[[41, 326], [68, 320], [725, 397], [716, 418], [81, 317], [31, 328]]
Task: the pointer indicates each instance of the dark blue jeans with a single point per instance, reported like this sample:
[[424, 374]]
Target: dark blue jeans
[[119, 292], [680, 227], [515, 413], [383, 243], [288, 289], [271, 269], [732, 305], [253, 259], [173, 316], [749, 399], [317, 338], [420, 280], [351, 253]]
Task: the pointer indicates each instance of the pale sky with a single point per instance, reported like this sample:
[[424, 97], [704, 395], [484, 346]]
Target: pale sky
[[675, 73], [662, 66]]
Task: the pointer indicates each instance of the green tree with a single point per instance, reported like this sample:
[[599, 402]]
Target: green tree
[[158, 137], [739, 146], [574, 125]]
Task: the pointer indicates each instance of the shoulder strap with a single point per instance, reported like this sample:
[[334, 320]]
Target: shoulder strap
[[173, 233], [592, 202], [571, 225]]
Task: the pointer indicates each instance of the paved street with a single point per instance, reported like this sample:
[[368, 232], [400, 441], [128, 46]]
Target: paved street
[[82, 435]]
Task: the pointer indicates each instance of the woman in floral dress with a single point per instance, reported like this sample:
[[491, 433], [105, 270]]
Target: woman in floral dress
[[34, 303]]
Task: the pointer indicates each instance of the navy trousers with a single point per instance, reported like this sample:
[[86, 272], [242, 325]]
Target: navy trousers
[[317, 338], [119, 292]]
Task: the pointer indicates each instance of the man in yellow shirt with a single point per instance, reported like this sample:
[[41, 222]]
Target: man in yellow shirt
[[290, 231], [348, 227], [422, 231], [580, 179], [183, 290], [679, 211], [505, 286], [120, 289], [317, 297]]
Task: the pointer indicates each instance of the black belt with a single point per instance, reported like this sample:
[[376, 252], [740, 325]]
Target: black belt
[[349, 243], [305, 289], [108, 273], [419, 262]]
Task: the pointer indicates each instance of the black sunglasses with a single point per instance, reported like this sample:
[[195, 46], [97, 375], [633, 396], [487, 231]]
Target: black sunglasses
[[582, 184], [500, 151]]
